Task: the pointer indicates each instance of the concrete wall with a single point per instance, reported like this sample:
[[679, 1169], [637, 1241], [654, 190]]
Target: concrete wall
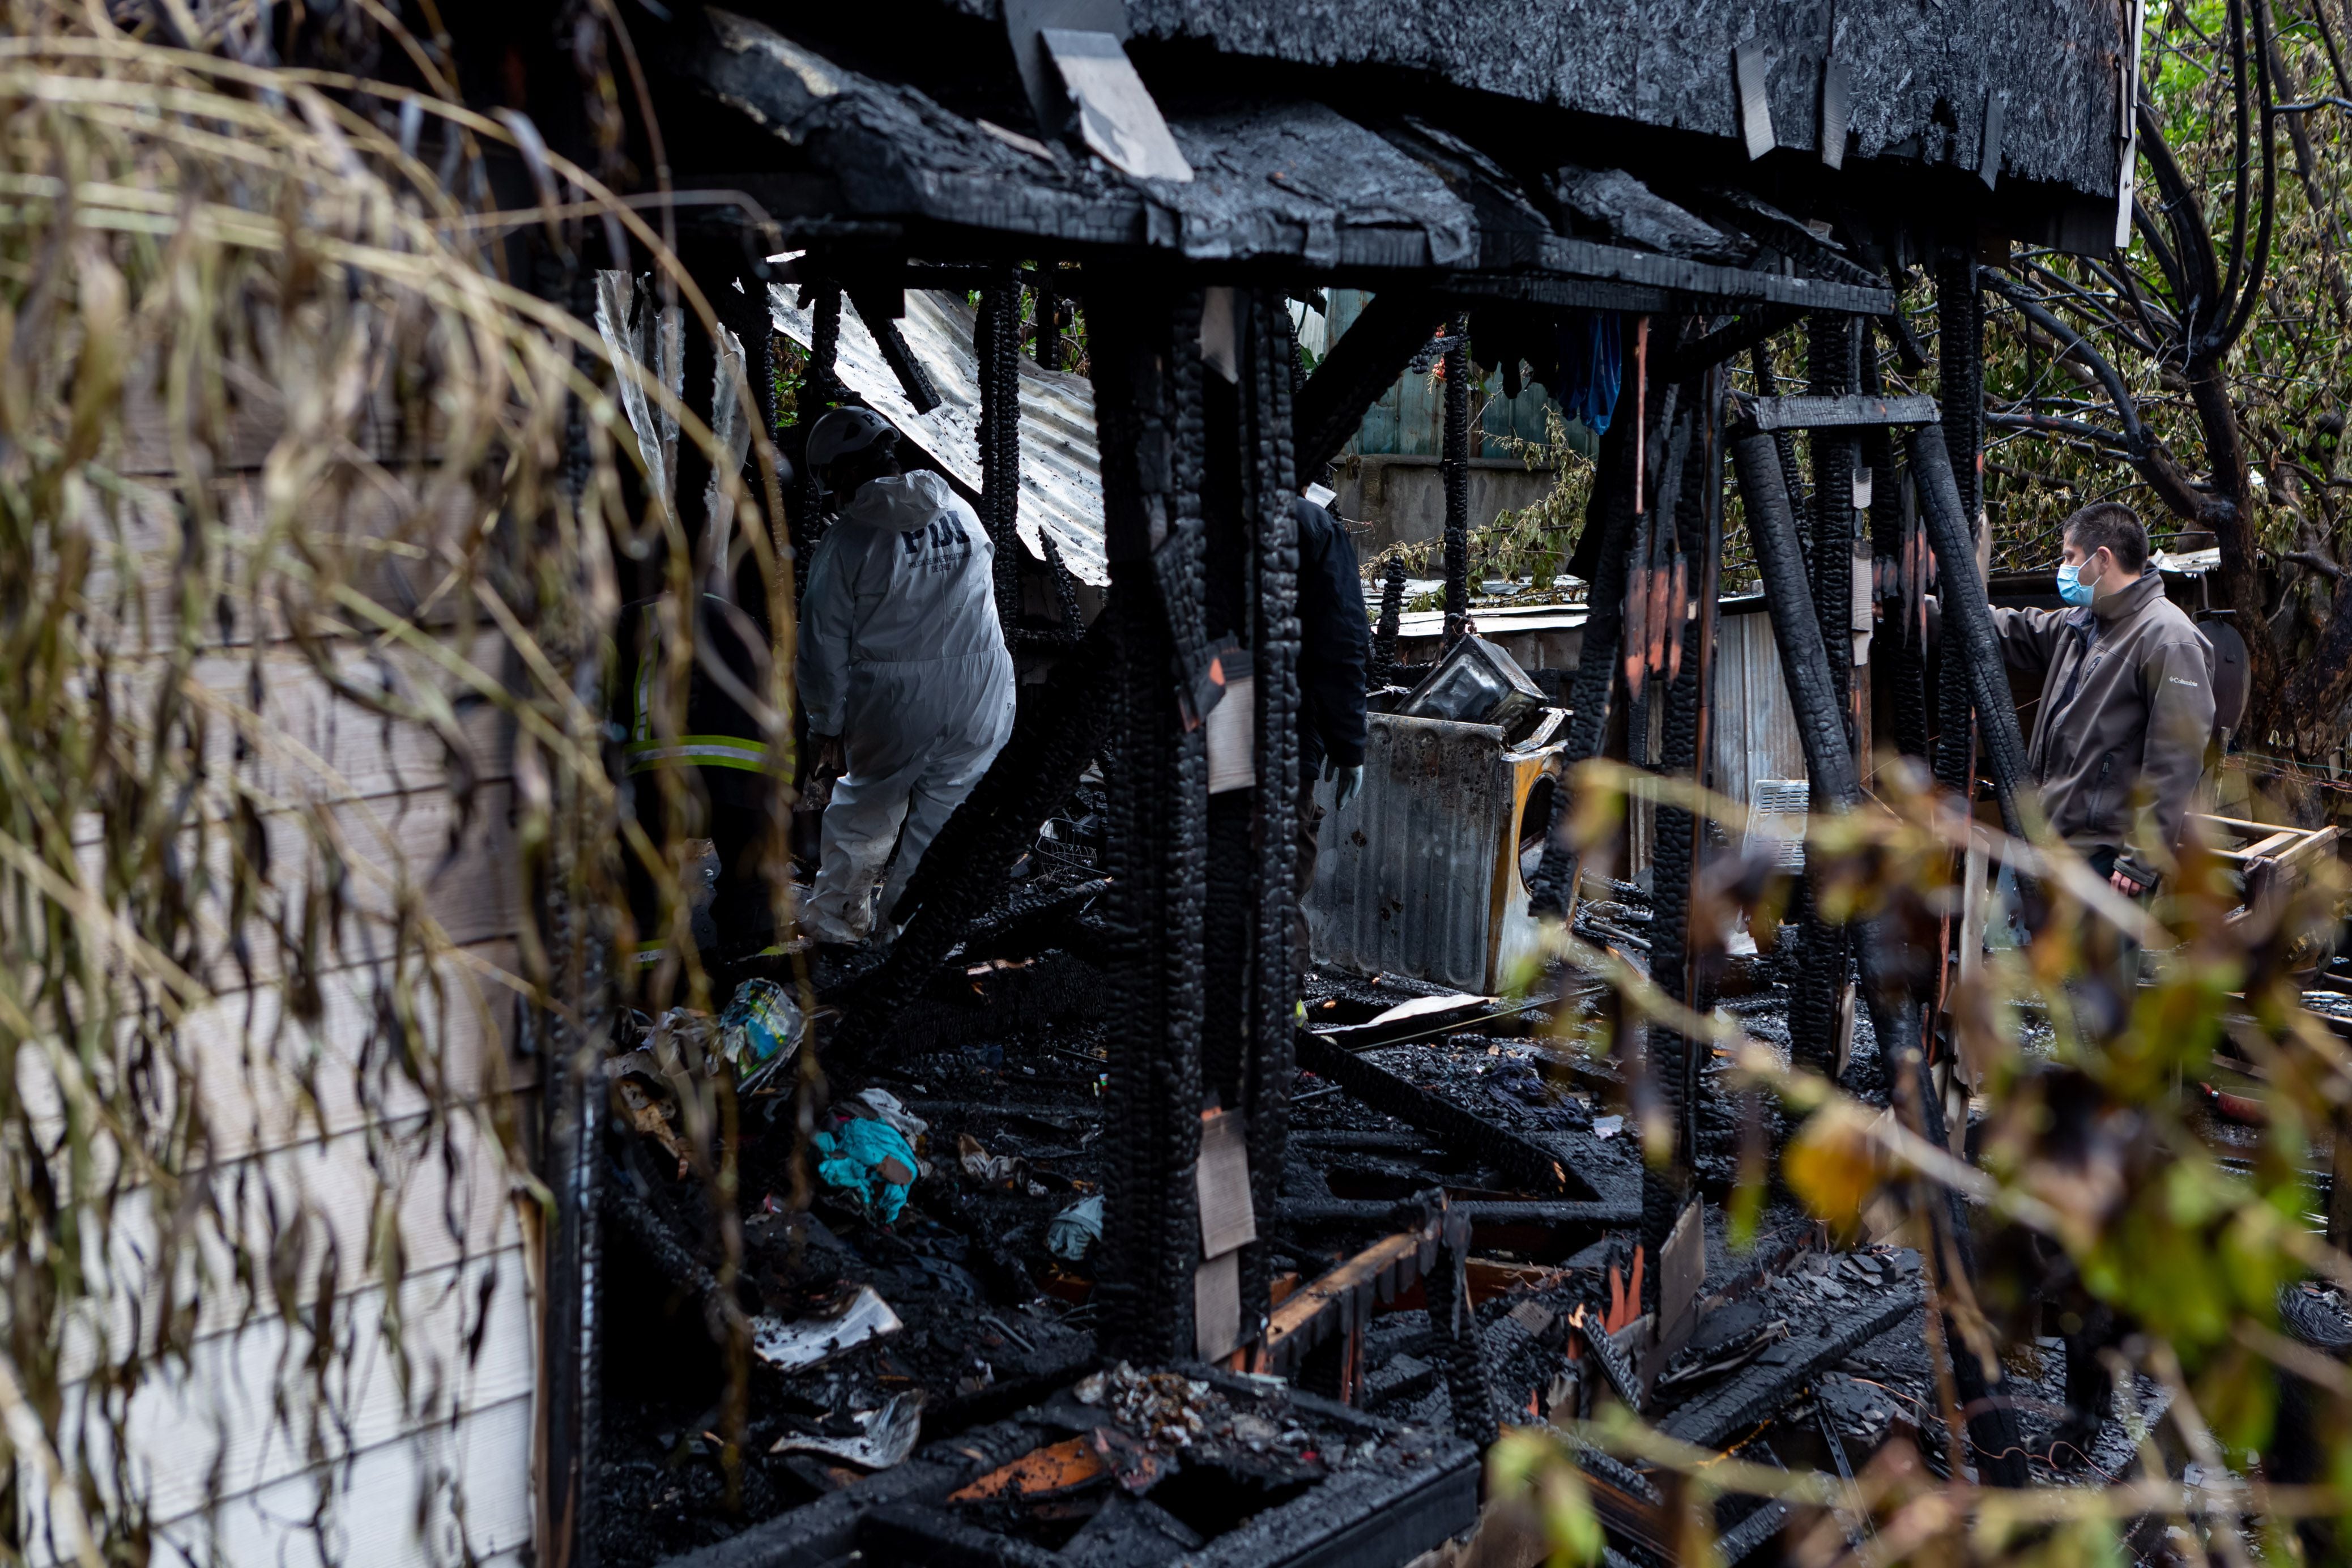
[[1403, 498]]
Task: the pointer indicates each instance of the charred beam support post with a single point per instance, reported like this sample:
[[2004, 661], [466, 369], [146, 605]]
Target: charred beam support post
[[1147, 370], [997, 344], [1049, 323], [1959, 348], [1675, 1059], [1886, 967], [1898, 646], [1525, 1161], [1651, 1052], [1454, 468], [881, 309], [1821, 1010], [1203, 542], [1970, 640], [1269, 984]]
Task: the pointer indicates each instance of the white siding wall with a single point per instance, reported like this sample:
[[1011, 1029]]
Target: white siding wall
[[421, 1452]]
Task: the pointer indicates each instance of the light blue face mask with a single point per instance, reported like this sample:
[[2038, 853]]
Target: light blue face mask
[[2070, 586]]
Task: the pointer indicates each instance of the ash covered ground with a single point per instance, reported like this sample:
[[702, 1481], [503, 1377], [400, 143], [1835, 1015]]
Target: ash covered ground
[[1805, 1356]]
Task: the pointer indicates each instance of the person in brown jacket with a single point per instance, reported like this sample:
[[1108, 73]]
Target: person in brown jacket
[[2126, 707]]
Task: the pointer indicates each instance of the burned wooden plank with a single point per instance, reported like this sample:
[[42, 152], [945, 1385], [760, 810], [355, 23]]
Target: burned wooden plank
[[874, 307], [1338, 1300], [1714, 1420], [1523, 1159], [1600, 1214], [1801, 413], [1587, 258], [913, 1534], [1386, 1512], [828, 1528], [1744, 1540]]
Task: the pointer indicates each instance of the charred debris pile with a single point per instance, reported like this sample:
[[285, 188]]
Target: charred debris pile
[[1096, 1246], [1457, 1246]]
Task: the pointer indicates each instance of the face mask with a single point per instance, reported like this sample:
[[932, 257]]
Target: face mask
[[2070, 586]]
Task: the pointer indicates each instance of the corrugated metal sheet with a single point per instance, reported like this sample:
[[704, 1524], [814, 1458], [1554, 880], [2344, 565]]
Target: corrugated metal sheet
[[1061, 478], [1539, 636], [1419, 875], [1755, 731], [1754, 734]]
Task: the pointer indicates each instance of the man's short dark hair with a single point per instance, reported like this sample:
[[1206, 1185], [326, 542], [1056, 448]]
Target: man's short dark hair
[[2113, 527]]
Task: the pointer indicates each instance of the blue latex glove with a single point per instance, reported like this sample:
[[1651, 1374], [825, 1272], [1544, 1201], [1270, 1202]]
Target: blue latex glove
[[870, 1159], [1349, 782]]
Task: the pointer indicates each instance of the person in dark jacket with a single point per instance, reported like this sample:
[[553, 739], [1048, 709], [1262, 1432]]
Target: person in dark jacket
[[1335, 644], [2119, 735]]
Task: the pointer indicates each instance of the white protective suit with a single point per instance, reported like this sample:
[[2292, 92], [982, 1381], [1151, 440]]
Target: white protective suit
[[901, 655]]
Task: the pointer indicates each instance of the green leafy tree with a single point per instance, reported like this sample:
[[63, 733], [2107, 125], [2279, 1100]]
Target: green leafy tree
[[2197, 373]]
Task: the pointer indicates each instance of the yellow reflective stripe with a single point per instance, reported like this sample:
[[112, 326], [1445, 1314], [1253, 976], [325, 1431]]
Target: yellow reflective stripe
[[701, 752]]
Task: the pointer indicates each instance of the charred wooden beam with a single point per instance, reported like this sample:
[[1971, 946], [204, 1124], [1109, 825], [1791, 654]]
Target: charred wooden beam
[[1342, 1298], [920, 1536], [874, 308], [1752, 327], [1523, 1159], [1970, 643], [1148, 401], [1714, 1420], [1744, 1540], [1598, 1215], [1832, 413], [827, 1528]]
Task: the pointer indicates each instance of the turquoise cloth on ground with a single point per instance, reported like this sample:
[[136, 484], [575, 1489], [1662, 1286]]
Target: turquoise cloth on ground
[[852, 1157]]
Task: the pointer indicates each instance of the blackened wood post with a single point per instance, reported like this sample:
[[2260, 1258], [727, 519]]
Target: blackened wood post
[[1278, 956], [1147, 377], [1455, 468], [997, 335]]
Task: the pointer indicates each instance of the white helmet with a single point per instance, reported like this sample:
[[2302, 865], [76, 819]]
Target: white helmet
[[840, 432]]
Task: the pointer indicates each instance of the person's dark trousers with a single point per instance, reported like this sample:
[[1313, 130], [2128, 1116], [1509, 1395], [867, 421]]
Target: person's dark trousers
[[1311, 823], [2110, 983]]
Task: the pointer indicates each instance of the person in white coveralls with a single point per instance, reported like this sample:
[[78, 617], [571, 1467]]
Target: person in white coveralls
[[902, 668]]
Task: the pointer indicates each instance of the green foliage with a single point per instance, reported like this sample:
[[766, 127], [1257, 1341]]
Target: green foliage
[[1530, 542], [294, 481], [2286, 375], [2091, 1154]]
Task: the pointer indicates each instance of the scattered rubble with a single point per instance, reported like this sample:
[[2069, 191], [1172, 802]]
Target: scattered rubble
[[897, 1344]]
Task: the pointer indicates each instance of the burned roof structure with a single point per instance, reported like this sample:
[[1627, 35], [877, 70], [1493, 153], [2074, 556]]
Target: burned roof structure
[[1530, 184]]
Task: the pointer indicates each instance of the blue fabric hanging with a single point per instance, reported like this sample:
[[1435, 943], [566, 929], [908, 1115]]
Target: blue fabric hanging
[[1592, 364]]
